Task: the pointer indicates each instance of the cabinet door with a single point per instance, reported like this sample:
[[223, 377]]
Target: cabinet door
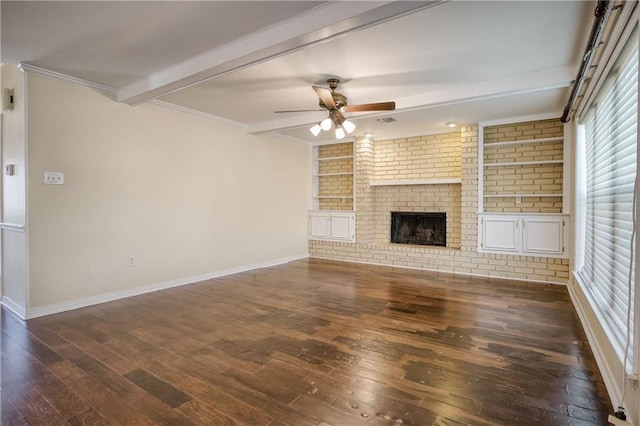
[[343, 226], [542, 235], [319, 225], [500, 233]]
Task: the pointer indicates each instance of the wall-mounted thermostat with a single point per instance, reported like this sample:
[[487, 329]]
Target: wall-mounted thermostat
[[8, 101]]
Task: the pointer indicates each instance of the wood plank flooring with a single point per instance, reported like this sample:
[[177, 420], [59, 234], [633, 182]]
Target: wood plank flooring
[[309, 343]]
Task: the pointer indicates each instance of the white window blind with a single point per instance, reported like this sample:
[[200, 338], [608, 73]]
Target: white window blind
[[610, 153]]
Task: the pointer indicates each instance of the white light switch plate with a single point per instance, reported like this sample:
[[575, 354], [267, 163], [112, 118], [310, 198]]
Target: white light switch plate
[[53, 178]]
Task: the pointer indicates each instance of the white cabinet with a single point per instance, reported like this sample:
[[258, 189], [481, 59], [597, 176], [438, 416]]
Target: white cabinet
[[500, 233], [332, 225], [542, 235], [319, 225]]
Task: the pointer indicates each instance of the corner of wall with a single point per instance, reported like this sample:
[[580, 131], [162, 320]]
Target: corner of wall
[[14, 239]]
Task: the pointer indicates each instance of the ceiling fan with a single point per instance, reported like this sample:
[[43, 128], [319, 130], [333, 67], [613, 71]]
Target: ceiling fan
[[336, 104]]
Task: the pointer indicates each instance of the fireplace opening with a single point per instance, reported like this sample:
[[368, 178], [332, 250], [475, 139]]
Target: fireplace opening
[[426, 229]]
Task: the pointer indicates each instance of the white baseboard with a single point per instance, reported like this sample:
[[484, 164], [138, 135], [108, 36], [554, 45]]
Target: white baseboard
[[610, 382], [108, 297], [13, 307], [442, 271]]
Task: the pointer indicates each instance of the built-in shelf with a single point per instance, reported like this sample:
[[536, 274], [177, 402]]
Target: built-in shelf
[[398, 182], [335, 174], [523, 163], [342, 157], [520, 195], [331, 174], [521, 232], [522, 142]]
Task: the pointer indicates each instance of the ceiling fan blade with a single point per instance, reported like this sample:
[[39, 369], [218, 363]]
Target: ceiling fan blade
[[339, 118], [325, 96], [380, 106], [299, 110]]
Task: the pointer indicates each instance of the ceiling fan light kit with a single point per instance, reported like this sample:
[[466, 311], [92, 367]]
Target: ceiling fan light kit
[[336, 104], [349, 126], [315, 130], [326, 124]]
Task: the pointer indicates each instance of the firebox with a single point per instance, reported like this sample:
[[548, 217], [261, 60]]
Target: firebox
[[427, 229]]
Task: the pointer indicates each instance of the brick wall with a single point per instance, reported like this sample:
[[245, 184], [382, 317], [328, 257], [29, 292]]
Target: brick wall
[[342, 165], [335, 185], [469, 149], [365, 193], [372, 247], [540, 129], [425, 157], [335, 150]]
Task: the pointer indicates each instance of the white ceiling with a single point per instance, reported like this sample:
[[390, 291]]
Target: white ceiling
[[462, 61]]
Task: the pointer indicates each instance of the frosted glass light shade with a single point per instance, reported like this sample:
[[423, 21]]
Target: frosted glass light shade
[[315, 129], [339, 133], [348, 126], [325, 124]]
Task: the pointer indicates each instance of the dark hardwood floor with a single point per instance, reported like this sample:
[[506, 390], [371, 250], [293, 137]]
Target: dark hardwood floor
[[309, 343]]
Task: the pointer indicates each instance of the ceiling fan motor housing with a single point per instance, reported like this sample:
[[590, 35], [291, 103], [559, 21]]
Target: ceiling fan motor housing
[[339, 99]]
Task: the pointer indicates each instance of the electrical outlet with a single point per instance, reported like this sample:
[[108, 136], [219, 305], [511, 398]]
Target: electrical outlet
[[53, 178], [132, 261], [518, 199]]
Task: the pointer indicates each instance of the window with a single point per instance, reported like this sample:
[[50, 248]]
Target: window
[[609, 155]]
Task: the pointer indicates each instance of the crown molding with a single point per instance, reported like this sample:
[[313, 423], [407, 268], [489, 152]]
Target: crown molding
[[290, 138], [43, 72], [198, 113], [521, 119]]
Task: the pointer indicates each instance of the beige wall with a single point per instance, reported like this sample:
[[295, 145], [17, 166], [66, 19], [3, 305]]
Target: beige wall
[[184, 195]]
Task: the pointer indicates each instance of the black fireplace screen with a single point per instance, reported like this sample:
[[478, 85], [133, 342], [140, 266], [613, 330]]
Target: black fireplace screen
[[427, 229]]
